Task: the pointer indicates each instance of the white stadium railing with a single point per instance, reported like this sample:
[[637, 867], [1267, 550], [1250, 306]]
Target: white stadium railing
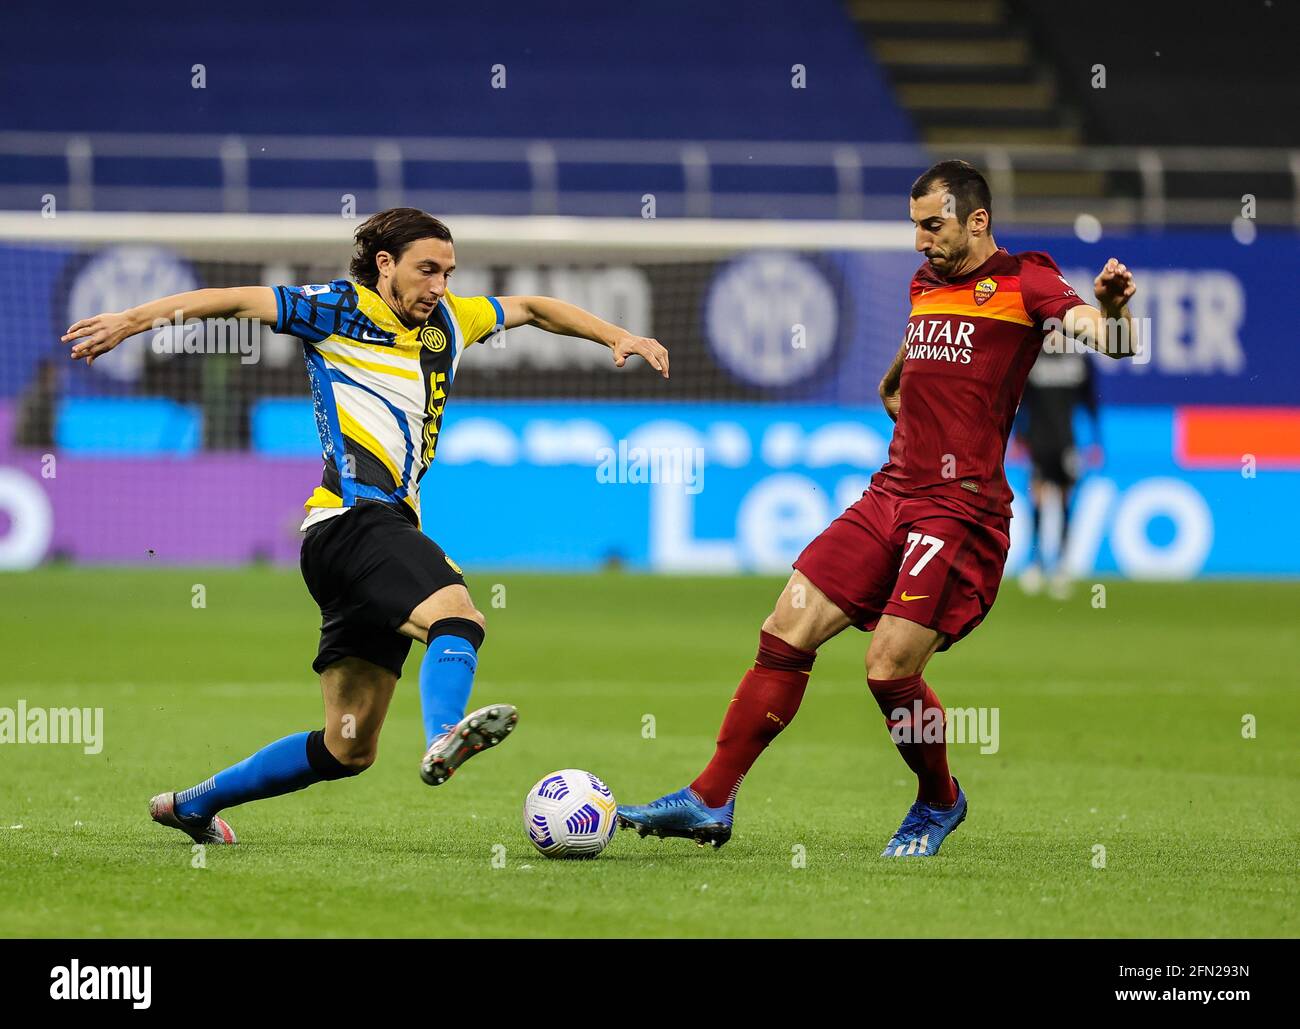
[[524, 238], [1137, 189]]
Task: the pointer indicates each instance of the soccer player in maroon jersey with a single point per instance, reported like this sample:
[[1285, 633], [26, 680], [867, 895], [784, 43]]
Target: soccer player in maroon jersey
[[917, 561]]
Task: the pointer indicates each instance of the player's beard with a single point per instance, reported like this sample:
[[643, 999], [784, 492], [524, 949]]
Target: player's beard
[[952, 258], [406, 308]]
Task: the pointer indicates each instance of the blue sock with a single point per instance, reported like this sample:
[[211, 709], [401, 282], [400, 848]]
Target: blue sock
[[279, 767], [446, 678]]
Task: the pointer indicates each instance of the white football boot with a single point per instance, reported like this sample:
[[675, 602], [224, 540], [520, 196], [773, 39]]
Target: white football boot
[[162, 809], [478, 730]]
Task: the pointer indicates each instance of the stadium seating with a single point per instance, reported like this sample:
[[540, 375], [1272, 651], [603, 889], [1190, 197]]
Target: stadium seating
[[678, 70], [509, 72]]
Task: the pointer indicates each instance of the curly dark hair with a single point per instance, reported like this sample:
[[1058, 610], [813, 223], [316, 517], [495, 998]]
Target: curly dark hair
[[393, 230]]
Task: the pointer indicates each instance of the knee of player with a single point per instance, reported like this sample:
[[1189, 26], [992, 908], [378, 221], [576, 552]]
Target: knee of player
[[334, 754], [776, 622], [357, 758], [793, 626], [469, 613], [786, 621], [887, 662], [467, 624]]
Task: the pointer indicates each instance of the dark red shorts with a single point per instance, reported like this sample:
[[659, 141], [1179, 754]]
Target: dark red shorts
[[926, 559]]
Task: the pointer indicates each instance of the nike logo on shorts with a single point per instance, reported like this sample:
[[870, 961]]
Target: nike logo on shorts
[[906, 596]]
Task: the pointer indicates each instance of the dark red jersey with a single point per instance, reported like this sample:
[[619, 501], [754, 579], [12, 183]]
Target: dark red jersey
[[970, 344]]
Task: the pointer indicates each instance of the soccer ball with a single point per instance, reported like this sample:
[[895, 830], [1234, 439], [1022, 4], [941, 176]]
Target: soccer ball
[[570, 814]]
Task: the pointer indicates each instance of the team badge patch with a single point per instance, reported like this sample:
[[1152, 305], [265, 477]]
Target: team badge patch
[[454, 566], [433, 338], [984, 289]]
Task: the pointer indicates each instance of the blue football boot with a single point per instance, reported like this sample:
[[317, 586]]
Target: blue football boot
[[681, 814], [925, 828]]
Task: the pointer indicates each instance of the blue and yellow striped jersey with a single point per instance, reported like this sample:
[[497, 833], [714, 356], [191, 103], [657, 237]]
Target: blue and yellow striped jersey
[[378, 388]]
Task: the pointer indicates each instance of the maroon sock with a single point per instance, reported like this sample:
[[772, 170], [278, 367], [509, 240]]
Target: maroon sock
[[765, 702], [916, 724]]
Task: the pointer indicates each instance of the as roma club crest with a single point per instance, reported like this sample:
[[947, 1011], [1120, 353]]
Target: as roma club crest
[[984, 289], [433, 338]]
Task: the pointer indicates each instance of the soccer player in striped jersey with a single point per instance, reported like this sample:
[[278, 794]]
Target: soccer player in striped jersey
[[918, 559], [382, 351]]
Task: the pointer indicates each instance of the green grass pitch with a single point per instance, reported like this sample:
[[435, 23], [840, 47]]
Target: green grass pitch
[[1120, 727]]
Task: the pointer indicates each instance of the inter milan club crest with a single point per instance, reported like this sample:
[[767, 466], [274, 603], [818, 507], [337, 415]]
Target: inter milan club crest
[[984, 289], [433, 338]]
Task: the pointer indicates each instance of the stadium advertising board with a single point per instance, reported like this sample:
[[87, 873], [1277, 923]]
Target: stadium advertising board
[[683, 488], [760, 326]]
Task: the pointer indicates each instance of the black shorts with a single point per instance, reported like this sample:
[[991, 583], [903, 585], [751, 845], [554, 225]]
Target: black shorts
[[1058, 466], [368, 569]]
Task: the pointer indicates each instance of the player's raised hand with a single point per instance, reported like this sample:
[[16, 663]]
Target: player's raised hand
[[654, 352], [1114, 286], [97, 335]]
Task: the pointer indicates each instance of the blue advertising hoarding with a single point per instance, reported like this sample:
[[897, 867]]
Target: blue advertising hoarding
[[1222, 314], [744, 487], [772, 440], [1221, 318]]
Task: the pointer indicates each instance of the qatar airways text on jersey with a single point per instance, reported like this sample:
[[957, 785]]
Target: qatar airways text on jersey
[[939, 339]]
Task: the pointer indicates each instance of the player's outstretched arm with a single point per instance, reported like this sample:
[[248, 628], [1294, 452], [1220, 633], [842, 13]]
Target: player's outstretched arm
[[567, 320], [100, 333], [1112, 330]]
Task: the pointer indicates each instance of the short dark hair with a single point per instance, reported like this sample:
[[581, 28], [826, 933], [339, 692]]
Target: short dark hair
[[393, 230], [963, 181]]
